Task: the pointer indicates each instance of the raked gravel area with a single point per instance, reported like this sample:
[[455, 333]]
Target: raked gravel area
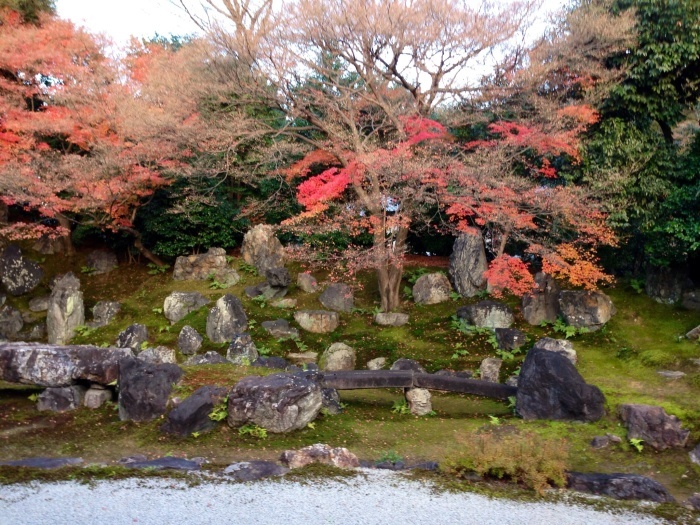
[[376, 497]]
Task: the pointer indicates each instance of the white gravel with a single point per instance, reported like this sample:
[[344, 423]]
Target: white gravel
[[379, 498]]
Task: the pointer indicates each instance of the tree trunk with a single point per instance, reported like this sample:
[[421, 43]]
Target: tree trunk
[[67, 241], [390, 269], [138, 244]]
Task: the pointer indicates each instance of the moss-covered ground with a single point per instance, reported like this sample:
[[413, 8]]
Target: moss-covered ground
[[622, 359]]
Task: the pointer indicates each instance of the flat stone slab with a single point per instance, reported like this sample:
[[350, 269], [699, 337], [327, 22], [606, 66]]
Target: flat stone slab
[[43, 463], [166, 463], [254, 470], [619, 486], [57, 365]]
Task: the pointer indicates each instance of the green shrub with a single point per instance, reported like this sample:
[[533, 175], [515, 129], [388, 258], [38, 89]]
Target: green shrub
[[656, 358]]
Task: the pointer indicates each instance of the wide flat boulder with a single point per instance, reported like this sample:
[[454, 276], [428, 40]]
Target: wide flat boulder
[[57, 365], [586, 309], [619, 486]]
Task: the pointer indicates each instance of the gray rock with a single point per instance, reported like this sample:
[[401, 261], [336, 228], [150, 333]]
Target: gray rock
[[560, 346], [37, 332], [599, 442], [432, 288], [338, 356], [654, 426], [487, 314], [307, 282], [39, 304], [192, 415], [275, 362], [491, 369], [66, 309], [619, 486], [320, 453], [303, 358], [96, 397], [317, 321], [338, 297], [226, 319], [513, 381], [189, 341], [695, 455], [464, 374], [550, 387], [101, 262], [253, 470], [265, 291], [694, 334], [104, 313], [209, 358], [665, 285], [542, 304], [46, 245], [56, 366], [468, 264], [158, 355], [133, 336], [178, 304], [278, 402], [671, 374], [144, 388], [391, 319], [242, 350], [44, 463], [262, 249], [18, 274], [331, 401], [419, 401], [408, 364], [510, 338], [11, 322], [694, 501], [61, 399], [280, 328], [586, 309], [284, 303], [278, 277], [376, 364], [691, 300], [212, 264]]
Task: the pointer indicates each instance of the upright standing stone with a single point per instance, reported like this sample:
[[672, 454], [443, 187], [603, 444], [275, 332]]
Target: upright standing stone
[[66, 309], [468, 264], [226, 319], [542, 304], [262, 249], [491, 369], [144, 388], [419, 401], [189, 341]]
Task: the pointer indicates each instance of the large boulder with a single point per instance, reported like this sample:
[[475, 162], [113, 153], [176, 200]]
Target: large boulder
[[542, 304], [103, 313], [317, 321], [262, 249], [468, 264], [178, 304], [212, 264], [619, 486], [432, 288], [11, 322], [133, 336], [192, 415], [66, 309], [144, 388], [18, 274], [320, 453], [665, 285], [61, 399], [278, 402], [586, 309], [226, 319], [242, 350], [550, 387], [57, 366], [338, 297], [338, 356], [653, 425], [487, 314], [560, 346], [189, 341], [100, 262]]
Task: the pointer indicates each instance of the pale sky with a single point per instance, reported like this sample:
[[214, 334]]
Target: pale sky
[[119, 19]]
